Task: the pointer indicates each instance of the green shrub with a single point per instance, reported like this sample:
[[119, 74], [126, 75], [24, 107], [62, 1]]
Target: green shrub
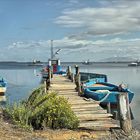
[[43, 110], [19, 114]]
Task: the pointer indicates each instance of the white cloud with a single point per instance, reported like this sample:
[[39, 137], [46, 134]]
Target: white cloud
[[103, 21], [74, 1], [73, 49]]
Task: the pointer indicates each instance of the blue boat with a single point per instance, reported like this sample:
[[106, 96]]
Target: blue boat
[[105, 92], [91, 78]]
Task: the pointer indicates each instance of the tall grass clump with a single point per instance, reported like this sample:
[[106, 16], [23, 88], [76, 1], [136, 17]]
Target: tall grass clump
[[43, 110]]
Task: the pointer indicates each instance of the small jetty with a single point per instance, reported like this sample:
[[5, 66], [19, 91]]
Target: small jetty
[[90, 114]]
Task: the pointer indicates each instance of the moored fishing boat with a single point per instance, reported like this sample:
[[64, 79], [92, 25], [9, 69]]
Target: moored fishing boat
[[106, 93], [133, 64], [53, 64], [3, 87], [87, 62], [90, 78]]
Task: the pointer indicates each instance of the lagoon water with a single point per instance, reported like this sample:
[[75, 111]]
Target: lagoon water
[[21, 81], [130, 76]]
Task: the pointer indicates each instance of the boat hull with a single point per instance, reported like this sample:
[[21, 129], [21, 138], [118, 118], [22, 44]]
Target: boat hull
[[2, 90], [106, 94]]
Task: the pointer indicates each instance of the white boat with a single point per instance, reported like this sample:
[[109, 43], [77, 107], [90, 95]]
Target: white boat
[[87, 62], [133, 64], [3, 86]]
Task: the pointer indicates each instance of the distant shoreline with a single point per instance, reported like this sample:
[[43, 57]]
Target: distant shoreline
[[31, 65], [19, 62]]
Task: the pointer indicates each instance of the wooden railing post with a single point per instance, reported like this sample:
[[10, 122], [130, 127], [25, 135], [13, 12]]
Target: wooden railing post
[[78, 80], [72, 77], [45, 84], [76, 70], [76, 73], [69, 72], [124, 112], [49, 77], [79, 84], [108, 107]]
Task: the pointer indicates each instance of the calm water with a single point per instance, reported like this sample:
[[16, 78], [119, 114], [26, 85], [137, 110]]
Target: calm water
[[22, 81], [130, 76]]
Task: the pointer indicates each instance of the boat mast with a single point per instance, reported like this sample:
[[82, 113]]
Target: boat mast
[[51, 49]]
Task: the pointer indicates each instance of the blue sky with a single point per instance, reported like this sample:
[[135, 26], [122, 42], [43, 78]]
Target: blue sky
[[83, 29]]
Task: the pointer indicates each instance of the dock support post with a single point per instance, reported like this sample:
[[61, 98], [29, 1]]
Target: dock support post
[[76, 74], [79, 84], [49, 78], [124, 112], [72, 77], [108, 107], [45, 84], [77, 80], [69, 72], [76, 70]]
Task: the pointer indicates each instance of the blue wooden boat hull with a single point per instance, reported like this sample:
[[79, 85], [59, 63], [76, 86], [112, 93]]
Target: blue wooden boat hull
[[85, 77], [99, 92]]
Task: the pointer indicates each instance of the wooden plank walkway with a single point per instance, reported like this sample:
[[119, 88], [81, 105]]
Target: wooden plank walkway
[[89, 113]]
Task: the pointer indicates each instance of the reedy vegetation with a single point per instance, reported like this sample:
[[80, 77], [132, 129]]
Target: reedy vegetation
[[42, 110]]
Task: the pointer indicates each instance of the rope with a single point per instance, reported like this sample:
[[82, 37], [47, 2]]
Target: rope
[[104, 98]]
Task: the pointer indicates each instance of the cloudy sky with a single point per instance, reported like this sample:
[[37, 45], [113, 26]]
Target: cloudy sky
[[83, 29]]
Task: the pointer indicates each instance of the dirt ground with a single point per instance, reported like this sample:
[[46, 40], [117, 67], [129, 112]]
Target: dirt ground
[[9, 131]]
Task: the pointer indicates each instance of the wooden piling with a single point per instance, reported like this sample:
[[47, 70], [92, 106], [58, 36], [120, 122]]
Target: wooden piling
[[115, 115], [72, 77], [49, 78], [78, 80], [76, 69], [76, 73], [108, 107], [79, 84], [45, 85], [124, 112], [50, 74], [69, 72]]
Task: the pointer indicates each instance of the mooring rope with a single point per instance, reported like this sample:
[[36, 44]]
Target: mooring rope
[[104, 98]]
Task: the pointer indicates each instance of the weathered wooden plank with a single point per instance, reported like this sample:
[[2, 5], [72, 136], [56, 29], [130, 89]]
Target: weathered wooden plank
[[67, 93], [102, 124], [90, 111], [85, 106], [63, 85], [84, 117], [67, 96], [96, 119], [70, 97], [81, 103]]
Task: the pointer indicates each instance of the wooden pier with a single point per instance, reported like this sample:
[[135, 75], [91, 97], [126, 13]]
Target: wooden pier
[[90, 114]]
